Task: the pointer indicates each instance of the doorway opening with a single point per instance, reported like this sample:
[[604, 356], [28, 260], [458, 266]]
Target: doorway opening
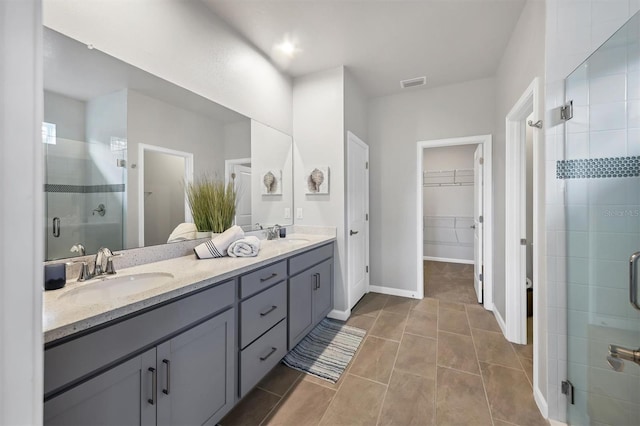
[[238, 171], [454, 228], [162, 176]]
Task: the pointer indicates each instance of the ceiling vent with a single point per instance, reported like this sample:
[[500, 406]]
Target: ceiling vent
[[413, 82]]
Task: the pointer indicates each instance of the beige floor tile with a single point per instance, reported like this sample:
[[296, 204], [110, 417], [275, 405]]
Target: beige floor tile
[[460, 399], [417, 355], [523, 351], [305, 404], [410, 401], [398, 305], [427, 304], [375, 359], [456, 351], [389, 326], [280, 379], [510, 396], [422, 323], [363, 322], [358, 402], [493, 348], [497, 422], [443, 304], [371, 304], [527, 364], [480, 318], [453, 321], [252, 409]]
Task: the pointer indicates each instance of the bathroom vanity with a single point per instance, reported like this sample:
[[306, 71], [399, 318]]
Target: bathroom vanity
[[187, 351]]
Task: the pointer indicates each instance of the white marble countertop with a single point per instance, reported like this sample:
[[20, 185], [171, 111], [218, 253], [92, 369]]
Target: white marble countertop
[[63, 317]]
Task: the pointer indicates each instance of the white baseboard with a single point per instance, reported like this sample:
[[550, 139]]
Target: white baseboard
[[541, 402], [449, 260], [339, 315], [553, 422], [393, 291], [501, 323]]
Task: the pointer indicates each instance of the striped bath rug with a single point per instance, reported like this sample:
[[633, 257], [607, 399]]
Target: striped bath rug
[[326, 351]]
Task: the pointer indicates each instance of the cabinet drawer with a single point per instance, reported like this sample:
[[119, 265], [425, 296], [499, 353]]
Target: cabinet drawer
[[261, 312], [310, 258], [72, 360], [261, 356], [262, 278]]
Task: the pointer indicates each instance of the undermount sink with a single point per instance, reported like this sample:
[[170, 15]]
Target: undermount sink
[[117, 287]]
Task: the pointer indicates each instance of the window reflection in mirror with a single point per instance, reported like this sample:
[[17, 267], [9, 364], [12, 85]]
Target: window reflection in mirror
[[120, 144]]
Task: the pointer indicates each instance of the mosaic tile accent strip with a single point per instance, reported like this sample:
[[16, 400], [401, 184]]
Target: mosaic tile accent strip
[[595, 168], [83, 189]]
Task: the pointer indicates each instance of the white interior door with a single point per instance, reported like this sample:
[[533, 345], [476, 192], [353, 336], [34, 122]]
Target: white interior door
[[243, 187], [477, 223], [357, 218]]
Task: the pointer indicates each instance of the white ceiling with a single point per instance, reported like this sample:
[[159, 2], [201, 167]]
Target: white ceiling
[[381, 42]]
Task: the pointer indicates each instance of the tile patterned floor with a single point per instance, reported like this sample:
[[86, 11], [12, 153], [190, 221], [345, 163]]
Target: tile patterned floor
[[427, 362], [452, 282]]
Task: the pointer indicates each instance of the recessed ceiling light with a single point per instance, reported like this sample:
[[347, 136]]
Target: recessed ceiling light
[[287, 47]]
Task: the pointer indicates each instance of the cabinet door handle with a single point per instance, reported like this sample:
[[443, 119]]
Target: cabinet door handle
[[315, 282], [154, 386], [273, 350], [168, 364], [269, 277], [268, 311], [318, 280]]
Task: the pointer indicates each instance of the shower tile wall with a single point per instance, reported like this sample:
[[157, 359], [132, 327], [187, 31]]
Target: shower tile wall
[[573, 31]]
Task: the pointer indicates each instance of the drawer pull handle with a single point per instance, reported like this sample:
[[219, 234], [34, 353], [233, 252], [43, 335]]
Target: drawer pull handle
[[168, 364], [269, 277], [154, 386], [264, 358], [268, 311]]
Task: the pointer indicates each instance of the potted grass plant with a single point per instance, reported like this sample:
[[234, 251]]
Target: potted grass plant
[[212, 204]]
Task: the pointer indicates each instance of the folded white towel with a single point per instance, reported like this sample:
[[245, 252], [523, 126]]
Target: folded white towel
[[218, 246], [183, 232], [245, 247]]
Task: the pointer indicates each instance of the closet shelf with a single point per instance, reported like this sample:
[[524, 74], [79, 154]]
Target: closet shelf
[[456, 177]]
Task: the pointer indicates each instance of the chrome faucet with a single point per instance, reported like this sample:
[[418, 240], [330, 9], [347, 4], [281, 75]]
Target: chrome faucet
[[273, 233], [104, 262]]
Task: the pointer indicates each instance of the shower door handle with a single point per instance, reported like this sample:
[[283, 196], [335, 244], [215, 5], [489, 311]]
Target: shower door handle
[[56, 227], [633, 280]]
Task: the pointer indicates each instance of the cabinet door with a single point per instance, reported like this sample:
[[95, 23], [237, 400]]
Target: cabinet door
[[300, 306], [196, 373], [323, 294], [121, 395]]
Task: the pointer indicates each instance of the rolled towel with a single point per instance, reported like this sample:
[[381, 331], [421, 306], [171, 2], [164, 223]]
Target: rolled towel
[[183, 232], [218, 246], [245, 247]]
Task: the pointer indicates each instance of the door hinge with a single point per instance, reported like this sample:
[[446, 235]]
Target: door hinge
[[481, 278], [366, 216], [481, 161], [367, 268], [566, 111], [567, 389], [523, 241], [366, 165], [480, 219]]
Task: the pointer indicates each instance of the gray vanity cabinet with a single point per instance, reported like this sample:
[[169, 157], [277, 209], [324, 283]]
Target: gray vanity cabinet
[[310, 291], [196, 373], [116, 397]]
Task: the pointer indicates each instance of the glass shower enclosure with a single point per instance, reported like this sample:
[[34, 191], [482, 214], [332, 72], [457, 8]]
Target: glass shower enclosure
[[601, 174]]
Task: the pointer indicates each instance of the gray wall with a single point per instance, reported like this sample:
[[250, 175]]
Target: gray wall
[[67, 114], [396, 124]]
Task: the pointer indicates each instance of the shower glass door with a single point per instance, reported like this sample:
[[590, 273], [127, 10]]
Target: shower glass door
[[602, 198]]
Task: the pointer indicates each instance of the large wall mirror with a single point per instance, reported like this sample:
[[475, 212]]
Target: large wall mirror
[[120, 144]]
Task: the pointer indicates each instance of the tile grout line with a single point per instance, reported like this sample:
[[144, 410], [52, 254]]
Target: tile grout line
[[393, 368], [277, 404], [522, 365], [484, 385], [435, 381]]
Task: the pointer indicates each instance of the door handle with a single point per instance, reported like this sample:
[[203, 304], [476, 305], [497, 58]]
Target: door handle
[[154, 386], [633, 280], [269, 277], [268, 311], [168, 366], [617, 353], [351, 232], [472, 227], [264, 358], [56, 227]]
